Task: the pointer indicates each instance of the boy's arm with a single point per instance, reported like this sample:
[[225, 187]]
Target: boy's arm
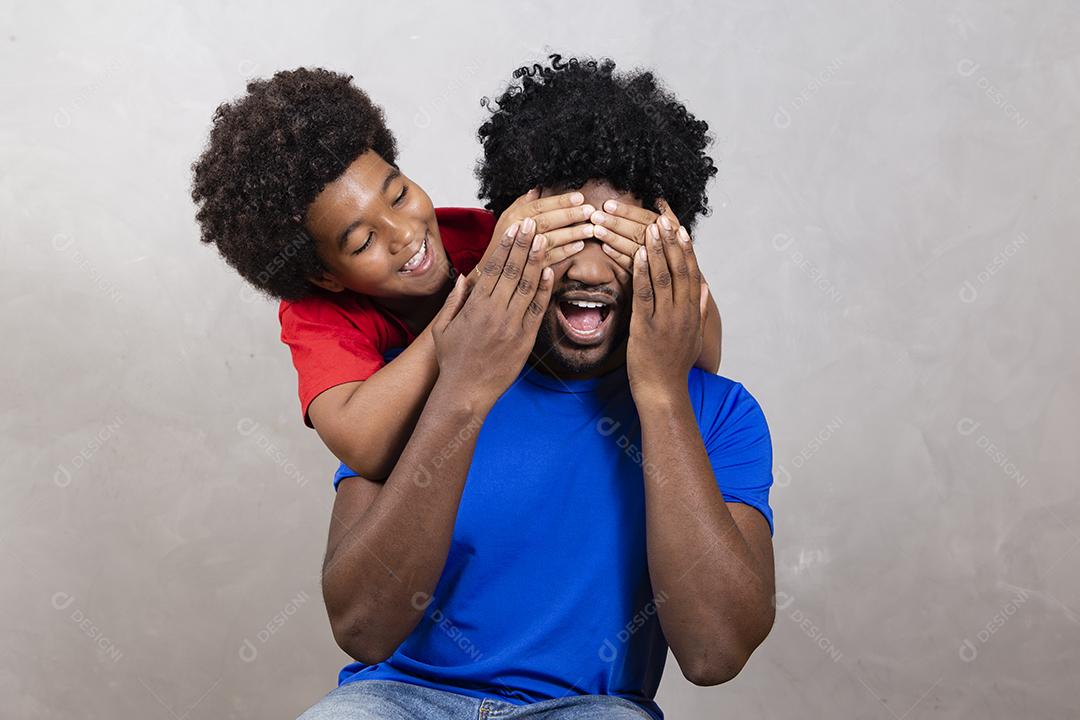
[[366, 424]]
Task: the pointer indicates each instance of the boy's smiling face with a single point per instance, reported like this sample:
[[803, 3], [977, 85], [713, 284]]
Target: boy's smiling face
[[375, 232]]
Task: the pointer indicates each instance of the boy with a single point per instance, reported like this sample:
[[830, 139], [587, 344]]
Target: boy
[[299, 190]]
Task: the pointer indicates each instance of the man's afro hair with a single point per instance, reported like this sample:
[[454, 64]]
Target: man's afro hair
[[572, 120], [270, 153]]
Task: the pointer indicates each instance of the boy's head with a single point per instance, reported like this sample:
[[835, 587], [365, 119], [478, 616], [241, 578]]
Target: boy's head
[[298, 187], [575, 124]]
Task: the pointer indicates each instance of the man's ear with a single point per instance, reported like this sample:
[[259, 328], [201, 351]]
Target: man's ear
[[326, 281]]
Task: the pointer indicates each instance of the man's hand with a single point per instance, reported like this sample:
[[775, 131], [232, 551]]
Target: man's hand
[[484, 333], [561, 220], [665, 324], [622, 228]]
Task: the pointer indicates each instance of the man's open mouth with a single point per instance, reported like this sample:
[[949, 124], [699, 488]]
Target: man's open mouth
[[584, 319]]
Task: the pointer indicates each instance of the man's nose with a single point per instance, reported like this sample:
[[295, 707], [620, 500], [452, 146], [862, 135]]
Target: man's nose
[[591, 265]]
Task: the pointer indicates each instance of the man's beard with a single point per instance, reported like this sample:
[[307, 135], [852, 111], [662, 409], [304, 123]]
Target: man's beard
[[554, 354]]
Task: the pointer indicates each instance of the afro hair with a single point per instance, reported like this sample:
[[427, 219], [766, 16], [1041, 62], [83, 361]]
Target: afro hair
[[561, 124], [270, 153]]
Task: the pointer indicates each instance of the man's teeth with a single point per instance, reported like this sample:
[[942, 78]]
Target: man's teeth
[[416, 259], [584, 303]]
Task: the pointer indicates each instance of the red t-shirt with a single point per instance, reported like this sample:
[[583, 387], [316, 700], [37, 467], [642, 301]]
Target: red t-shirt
[[341, 337]]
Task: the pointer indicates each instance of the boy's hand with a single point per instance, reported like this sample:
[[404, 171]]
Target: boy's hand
[[484, 333], [665, 323], [562, 220]]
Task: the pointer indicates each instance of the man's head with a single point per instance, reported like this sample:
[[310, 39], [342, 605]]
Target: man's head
[[298, 188], [575, 124]]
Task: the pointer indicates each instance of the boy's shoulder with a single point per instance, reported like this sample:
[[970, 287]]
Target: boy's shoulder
[[327, 306], [339, 317], [473, 221], [465, 234]]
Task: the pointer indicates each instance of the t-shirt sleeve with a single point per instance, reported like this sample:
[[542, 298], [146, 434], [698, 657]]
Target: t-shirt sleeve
[[737, 440], [466, 234], [330, 346], [343, 471]]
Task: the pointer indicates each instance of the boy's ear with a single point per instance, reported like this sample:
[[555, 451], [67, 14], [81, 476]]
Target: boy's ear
[[326, 281]]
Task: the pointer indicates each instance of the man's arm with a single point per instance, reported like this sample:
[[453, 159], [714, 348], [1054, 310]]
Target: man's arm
[[712, 561], [388, 546], [366, 424]]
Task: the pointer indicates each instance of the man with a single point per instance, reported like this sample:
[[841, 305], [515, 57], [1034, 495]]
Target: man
[[549, 532]]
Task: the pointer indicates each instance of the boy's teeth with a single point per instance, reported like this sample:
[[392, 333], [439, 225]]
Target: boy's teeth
[[415, 259], [585, 304]]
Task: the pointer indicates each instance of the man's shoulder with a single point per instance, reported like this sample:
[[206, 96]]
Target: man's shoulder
[[712, 387], [721, 398]]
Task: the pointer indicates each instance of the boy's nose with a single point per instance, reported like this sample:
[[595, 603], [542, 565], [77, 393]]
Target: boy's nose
[[407, 238]]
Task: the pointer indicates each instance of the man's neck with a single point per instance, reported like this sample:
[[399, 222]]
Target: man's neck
[[614, 360]]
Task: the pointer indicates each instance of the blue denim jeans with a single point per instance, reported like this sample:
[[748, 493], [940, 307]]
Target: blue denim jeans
[[392, 700]]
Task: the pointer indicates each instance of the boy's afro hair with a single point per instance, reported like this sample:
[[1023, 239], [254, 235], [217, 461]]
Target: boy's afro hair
[[270, 153], [572, 120]]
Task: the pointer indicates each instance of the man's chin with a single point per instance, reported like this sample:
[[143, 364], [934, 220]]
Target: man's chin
[[556, 354]]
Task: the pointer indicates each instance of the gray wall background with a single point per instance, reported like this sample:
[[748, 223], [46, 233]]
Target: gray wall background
[[893, 249]]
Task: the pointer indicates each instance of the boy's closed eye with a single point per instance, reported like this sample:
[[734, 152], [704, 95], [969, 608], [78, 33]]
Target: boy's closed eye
[[371, 235]]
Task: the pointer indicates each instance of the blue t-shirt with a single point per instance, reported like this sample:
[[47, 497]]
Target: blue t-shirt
[[546, 591]]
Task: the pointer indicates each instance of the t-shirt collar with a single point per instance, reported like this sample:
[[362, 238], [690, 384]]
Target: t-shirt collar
[[574, 385]]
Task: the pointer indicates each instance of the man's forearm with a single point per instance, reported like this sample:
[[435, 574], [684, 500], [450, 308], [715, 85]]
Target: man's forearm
[[380, 574], [713, 595]]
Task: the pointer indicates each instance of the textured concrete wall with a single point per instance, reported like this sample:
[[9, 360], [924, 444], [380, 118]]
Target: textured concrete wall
[[893, 249]]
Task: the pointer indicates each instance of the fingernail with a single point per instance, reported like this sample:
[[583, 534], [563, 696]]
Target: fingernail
[[537, 242], [577, 198], [597, 217], [599, 231], [512, 230], [547, 273], [611, 206], [528, 225], [579, 245], [654, 232], [640, 255], [665, 222], [587, 211], [683, 235]]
